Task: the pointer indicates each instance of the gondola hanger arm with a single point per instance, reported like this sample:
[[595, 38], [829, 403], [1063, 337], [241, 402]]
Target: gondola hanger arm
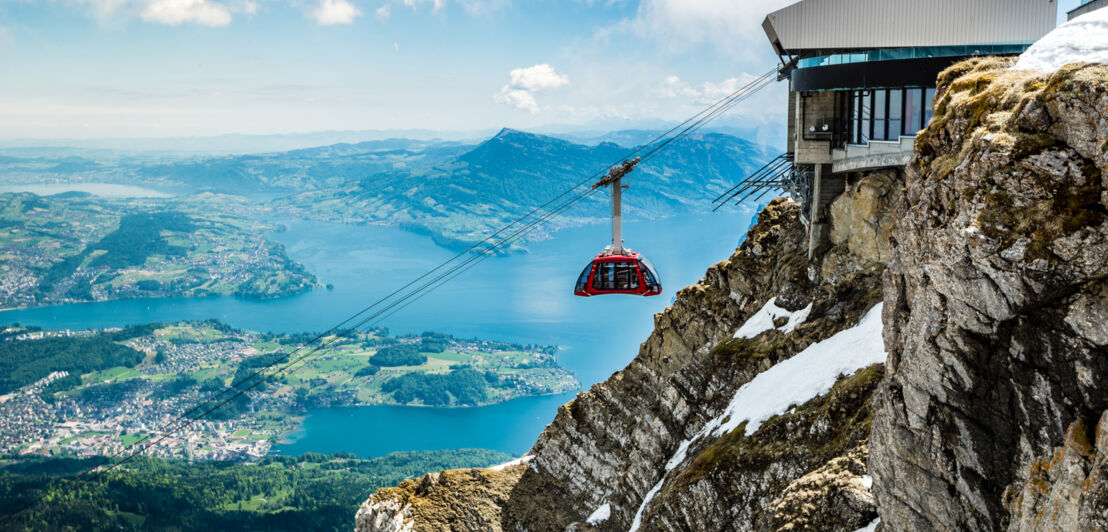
[[617, 171]]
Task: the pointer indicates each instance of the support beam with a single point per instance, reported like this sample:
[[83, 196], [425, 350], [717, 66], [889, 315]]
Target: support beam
[[617, 217], [815, 228]]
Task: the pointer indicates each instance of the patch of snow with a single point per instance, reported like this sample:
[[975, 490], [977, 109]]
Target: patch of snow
[[867, 481], [521, 460], [645, 501], [600, 515], [810, 373], [762, 320], [1084, 38], [870, 527]]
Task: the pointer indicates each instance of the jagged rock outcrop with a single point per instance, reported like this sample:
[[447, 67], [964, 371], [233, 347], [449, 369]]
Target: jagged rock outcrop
[[608, 448], [462, 499], [996, 309]]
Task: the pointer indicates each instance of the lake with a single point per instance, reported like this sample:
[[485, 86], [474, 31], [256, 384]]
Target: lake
[[525, 298]]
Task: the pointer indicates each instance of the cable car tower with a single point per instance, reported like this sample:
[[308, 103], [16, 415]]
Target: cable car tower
[[618, 270]]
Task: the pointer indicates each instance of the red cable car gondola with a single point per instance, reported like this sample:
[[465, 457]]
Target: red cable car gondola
[[618, 270]]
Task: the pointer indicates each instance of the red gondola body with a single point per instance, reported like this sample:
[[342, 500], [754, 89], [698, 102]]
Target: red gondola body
[[625, 273]]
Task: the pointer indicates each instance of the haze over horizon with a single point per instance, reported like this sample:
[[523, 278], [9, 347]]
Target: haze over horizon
[[82, 69]]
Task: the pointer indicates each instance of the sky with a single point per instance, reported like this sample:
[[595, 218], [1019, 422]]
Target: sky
[[168, 68]]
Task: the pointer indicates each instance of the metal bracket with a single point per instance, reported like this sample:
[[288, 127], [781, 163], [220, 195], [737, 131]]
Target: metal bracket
[[617, 171]]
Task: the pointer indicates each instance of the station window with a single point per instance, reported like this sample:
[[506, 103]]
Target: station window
[[888, 114]]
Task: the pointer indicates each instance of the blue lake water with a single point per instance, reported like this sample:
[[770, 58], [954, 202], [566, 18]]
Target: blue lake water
[[524, 298]]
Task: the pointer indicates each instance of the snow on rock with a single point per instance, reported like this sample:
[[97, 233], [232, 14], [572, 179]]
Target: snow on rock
[[1084, 38], [600, 515], [870, 527], [521, 460], [762, 320], [795, 381], [637, 522]]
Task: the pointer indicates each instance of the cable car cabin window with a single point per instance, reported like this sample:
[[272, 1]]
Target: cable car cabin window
[[616, 276], [648, 277], [583, 280]]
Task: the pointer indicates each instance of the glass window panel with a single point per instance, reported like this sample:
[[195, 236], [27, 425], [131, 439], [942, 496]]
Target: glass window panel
[[894, 128], [616, 276], [583, 280], [896, 105], [856, 117], [867, 117], [879, 98], [928, 106], [913, 112]]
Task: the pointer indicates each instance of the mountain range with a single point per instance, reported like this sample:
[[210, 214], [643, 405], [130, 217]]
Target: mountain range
[[459, 198]]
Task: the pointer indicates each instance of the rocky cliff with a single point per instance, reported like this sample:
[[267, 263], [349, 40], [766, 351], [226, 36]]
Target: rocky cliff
[[988, 255], [993, 411], [640, 435]]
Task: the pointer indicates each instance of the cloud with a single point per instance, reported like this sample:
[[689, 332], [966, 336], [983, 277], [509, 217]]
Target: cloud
[[707, 92], [248, 7], [733, 28], [177, 12], [525, 82], [330, 12], [436, 5], [382, 13], [518, 98]]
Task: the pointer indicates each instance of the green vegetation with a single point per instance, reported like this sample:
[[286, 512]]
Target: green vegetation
[[464, 387], [139, 236], [309, 492], [24, 362], [398, 355]]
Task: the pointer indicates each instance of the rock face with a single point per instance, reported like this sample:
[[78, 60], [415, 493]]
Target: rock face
[[862, 217], [465, 499], [992, 414], [609, 447]]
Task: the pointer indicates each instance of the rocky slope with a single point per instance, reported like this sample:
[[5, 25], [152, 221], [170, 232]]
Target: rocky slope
[[993, 412], [608, 448], [989, 257]]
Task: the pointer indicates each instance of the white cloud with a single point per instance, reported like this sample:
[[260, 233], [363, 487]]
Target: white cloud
[[525, 82], [102, 8], [518, 98], [537, 78], [396, 46], [707, 92], [330, 12], [734, 27], [436, 5], [177, 12], [382, 13]]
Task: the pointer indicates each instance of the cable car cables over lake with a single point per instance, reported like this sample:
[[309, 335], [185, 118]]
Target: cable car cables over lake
[[379, 310]]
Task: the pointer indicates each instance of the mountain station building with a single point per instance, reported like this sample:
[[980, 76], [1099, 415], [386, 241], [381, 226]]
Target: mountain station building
[[862, 74]]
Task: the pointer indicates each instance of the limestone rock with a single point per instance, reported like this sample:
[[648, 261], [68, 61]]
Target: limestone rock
[[994, 308], [462, 499], [862, 217]]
